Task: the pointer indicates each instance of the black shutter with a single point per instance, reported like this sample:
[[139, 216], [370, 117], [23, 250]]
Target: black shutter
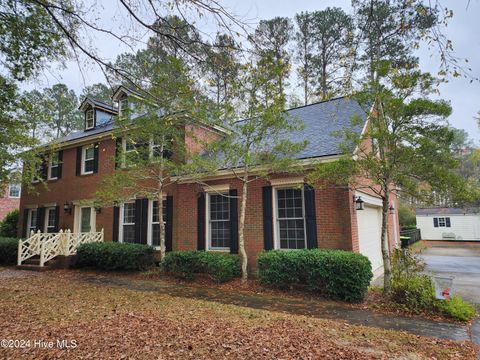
[[44, 169], [118, 153], [95, 157], [138, 221], [447, 222], [57, 219], [201, 222], [310, 216], [267, 218], [25, 224], [60, 164], [116, 223], [144, 222], [233, 221], [40, 219], [169, 224], [78, 167], [435, 222]]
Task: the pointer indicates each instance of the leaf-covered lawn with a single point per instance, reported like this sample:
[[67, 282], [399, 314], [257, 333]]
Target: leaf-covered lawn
[[115, 323]]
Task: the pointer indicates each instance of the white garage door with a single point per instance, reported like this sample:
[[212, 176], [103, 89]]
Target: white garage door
[[369, 231]]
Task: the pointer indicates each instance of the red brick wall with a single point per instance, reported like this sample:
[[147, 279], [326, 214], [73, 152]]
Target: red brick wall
[[7, 203]]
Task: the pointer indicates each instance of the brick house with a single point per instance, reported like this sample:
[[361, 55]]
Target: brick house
[[10, 199], [280, 213]]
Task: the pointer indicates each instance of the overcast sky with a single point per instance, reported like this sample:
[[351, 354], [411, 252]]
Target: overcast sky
[[463, 30]]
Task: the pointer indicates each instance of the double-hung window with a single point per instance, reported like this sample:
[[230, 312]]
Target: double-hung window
[[128, 151], [53, 166], [89, 119], [50, 217], [441, 222], [14, 191], [218, 215], [290, 219], [128, 222], [88, 160], [155, 221], [32, 221], [123, 106]]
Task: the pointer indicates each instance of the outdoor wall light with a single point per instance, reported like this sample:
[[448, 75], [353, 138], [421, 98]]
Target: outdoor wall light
[[67, 207], [392, 209], [358, 203], [98, 209]]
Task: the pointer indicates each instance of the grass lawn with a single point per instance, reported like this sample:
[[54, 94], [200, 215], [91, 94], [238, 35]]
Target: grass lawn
[[115, 323]]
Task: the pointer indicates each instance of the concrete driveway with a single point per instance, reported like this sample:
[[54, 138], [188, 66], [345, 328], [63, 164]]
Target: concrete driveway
[[461, 262]]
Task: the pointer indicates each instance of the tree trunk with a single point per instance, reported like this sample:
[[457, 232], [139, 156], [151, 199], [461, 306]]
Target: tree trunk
[[162, 225], [241, 236], [387, 267]]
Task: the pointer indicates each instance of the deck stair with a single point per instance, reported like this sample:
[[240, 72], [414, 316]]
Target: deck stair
[[52, 250]]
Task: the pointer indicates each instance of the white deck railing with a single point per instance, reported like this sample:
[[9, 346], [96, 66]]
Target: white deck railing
[[50, 245]]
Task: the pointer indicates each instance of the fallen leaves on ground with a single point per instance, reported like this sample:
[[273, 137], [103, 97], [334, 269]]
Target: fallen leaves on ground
[[116, 323]]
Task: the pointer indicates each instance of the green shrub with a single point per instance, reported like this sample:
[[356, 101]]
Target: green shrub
[[185, 264], [414, 293], [333, 273], [456, 308], [115, 256], [8, 251], [8, 226]]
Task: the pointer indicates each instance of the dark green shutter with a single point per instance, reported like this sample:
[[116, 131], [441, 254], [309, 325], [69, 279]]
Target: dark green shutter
[[57, 219], [435, 222], [169, 224], [310, 216], [447, 222], [60, 163], [144, 221], [25, 223], [116, 223], [233, 221], [267, 217], [95, 157], [78, 165], [40, 219], [201, 222], [138, 221]]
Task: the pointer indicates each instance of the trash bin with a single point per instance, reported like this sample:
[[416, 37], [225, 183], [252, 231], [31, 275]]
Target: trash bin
[[443, 287], [405, 240]]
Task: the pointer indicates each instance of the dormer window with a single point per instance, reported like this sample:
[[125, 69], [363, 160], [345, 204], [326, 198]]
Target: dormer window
[[89, 119], [122, 105]]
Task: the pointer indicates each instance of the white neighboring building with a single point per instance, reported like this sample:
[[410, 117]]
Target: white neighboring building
[[449, 224]]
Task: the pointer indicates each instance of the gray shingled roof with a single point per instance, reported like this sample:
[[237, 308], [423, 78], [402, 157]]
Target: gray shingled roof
[[446, 211], [322, 123]]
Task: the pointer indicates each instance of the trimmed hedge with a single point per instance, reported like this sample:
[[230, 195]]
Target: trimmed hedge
[[8, 251], [8, 226], [185, 264], [115, 256], [336, 274]]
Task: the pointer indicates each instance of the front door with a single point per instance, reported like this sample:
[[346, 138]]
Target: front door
[[86, 219]]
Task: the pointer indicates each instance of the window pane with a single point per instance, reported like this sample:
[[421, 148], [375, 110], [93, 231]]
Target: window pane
[[14, 190], [291, 224], [54, 172], [51, 219], [89, 153], [89, 165], [129, 233], [129, 213], [155, 211], [33, 220], [219, 214]]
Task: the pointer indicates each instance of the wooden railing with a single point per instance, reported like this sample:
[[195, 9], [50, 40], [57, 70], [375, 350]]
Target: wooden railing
[[50, 245]]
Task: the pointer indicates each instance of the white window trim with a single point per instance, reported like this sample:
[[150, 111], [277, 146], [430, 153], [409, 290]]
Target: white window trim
[[120, 220], [276, 230], [150, 222], [125, 152], [121, 102], [45, 221], [92, 111], [19, 191], [84, 153], [207, 219], [50, 166], [29, 221]]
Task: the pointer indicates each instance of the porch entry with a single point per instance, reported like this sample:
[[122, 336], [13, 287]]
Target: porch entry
[[85, 219]]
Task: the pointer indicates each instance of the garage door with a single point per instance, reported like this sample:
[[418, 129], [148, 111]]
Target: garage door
[[369, 231]]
